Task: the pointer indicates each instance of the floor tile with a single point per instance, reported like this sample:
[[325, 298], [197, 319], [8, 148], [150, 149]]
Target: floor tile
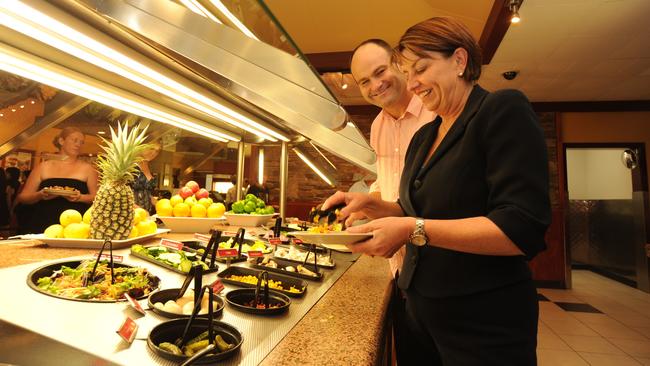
[[551, 341], [643, 330], [548, 310], [541, 297], [551, 357], [570, 326], [590, 344], [593, 318], [556, 295], [616, 330], [633, 347], [645, 361], [599, 359], [577, 307], [631, 318], [543, 328]]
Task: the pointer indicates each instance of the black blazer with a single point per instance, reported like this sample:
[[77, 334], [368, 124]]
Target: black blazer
[[491, 163]]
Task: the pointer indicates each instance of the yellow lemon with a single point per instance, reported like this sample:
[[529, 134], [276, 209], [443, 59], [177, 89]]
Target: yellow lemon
[[134, 232], [69, 217], [206, 202], [176, 199], [216, 210], [190, 201], [182, 210], [198, 211], [146, 227], [142, 213], [76, 230], [87, 215], [163, 203], [54, 231], [166, 210]]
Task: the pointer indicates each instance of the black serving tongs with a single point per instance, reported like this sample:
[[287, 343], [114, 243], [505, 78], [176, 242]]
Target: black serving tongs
[[263, 276], [196, 273], [88, 280], [322, 217], [180, 342], [312, 249], [212, 246], [211, 336]]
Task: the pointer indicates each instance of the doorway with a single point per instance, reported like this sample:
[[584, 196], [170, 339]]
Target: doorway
[[607, 210]]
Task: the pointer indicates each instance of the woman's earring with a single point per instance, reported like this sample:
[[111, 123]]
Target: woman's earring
[[460, 74]]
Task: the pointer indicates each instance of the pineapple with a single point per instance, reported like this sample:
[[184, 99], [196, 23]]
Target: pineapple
[[112, 212]]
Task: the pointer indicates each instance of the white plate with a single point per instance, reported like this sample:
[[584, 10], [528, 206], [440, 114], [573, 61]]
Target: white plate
[[342, 238], [247, 219], [90, 243], [190, 224]]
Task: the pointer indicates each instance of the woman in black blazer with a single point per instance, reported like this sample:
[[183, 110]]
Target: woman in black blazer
[[473, 208]]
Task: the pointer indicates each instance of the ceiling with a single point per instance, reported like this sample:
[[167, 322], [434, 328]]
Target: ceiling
[[564, 50]]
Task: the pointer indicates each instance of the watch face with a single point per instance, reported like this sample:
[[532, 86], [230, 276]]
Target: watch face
[[418, 240]]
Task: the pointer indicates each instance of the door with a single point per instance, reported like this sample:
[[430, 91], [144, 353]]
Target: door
[[607, 210]]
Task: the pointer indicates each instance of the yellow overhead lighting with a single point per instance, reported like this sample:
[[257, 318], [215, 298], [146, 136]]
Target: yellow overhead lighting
[[321, 154], [224, 10], [260, 166], [40, 26], [313, 167], [197, 8], [514, 6], [28, 66]]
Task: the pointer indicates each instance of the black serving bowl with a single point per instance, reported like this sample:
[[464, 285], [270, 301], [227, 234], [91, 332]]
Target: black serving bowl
[[170, 294], [237, 299], [49, 269], [171, 330]]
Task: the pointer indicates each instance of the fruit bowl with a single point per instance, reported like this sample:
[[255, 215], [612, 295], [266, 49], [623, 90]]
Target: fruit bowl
[[247, 219], [190, 224]]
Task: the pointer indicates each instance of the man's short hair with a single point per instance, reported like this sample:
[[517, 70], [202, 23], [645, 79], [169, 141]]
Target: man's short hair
[[376, 41]]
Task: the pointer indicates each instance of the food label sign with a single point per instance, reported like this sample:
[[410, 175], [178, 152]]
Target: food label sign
[[134, 304], [173, 244], [128, 330], [255, 253], [227, 252], [202, 237], [217, 286], [297, 241], [275, 241]]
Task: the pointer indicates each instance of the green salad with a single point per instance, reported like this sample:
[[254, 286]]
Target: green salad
[[178, 259]]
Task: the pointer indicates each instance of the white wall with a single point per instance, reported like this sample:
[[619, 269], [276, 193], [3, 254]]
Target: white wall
[[597, 174]]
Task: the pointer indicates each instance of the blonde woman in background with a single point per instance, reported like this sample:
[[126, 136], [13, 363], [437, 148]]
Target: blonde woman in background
[[145, 182]]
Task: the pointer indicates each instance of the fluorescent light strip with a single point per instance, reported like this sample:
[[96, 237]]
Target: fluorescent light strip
[[224, 10], [321, 154], [197, 8], [40, 26], [313, 167], [260, 166], [57, 79]]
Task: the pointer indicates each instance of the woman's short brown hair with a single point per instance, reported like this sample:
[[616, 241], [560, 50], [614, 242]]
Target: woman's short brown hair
[[65, 132], [444, 35]]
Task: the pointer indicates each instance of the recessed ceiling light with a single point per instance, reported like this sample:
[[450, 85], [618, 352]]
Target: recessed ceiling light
[[101, 132]]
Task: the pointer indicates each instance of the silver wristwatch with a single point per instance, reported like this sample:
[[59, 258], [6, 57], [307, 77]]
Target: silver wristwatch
[[418, 236]]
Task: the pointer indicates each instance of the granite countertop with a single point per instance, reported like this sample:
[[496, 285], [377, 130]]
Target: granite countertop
[[345, 327]]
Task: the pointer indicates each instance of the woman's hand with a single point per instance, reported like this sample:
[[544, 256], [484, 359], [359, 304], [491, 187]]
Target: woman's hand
[[45, 196], [389, 234], [75, 197], [361, 205]]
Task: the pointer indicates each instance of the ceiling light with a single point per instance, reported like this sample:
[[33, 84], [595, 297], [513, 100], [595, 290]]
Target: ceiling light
[[46, 29], [22, 106], [32, 102], [224, 10], [13, 109], [513, 6], [302, 155], [31, 67], [344, 85], [2, 114], [260, 166], [101, 132], [321, 154]]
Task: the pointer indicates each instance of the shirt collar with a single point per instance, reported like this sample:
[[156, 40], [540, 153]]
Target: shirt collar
[[414, 108]]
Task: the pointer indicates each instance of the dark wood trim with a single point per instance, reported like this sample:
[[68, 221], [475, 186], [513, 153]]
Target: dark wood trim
[[603, 106], [563, 194], [495, 29], [330, 61], [364, 110]]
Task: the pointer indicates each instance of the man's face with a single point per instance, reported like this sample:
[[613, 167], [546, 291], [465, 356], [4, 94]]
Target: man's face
[[380, 82]]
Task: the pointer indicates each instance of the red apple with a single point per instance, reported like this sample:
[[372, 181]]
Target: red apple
[[185, 192], [192, 185], [201, 193]]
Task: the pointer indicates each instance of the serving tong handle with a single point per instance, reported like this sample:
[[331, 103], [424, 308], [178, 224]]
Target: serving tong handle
[[199, 355], [264, 275], [276, 227], [312, 250], [213, 243], [239, 240], [180, 342], [90, 277], [316, 215]]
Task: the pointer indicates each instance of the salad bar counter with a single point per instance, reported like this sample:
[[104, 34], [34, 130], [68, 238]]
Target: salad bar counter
[[36, 305]]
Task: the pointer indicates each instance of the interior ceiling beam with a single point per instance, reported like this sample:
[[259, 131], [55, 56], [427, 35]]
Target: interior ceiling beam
[[215, 150], [494, 30], [62, 106]]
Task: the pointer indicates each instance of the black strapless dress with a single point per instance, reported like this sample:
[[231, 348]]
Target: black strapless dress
[[47, 212]]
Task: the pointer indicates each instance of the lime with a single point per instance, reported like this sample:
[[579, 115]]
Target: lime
[[238, 207], [250, 207]]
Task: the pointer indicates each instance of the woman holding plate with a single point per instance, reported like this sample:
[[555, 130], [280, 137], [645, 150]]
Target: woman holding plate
[[473, 208], [60, 184]]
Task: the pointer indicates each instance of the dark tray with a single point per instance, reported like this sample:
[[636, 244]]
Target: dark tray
[[309, 260], [284, 263], [170, 330], [237, 299], [243, 271], [169, 294], [48, 270], [167, 266], [197, 244]]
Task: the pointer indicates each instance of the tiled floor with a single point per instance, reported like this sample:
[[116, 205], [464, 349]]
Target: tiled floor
[[598, 322]]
